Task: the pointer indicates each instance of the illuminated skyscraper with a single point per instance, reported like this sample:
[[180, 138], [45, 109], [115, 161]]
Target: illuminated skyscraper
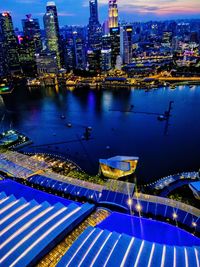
[[115, 45], [52, 30], [94, 38], [113, 14], [94, 27], [9, 43], [126, 33], [31, 29], [2, 60], [51, 8], [27, 54]]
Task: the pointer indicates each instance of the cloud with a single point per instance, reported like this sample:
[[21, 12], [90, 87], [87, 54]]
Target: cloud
[[158, 7]]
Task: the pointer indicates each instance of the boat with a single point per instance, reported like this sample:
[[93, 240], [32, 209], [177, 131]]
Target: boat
[[162, 117], [173, 87], [6, 87]]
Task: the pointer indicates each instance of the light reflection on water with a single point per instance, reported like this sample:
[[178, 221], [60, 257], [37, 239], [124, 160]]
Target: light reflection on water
[[163, 149]]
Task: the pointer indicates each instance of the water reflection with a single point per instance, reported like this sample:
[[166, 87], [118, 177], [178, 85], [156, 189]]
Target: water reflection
[[163, 147]]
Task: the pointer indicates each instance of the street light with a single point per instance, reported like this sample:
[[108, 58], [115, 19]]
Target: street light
[[194, 224], [138, 207], [130, 202]]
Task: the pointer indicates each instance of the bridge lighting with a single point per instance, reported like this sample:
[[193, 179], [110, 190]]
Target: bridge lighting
[[194, 224], [138, 207], [130, 202]]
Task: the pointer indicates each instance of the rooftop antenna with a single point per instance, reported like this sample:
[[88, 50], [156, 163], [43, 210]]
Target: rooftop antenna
[[29, 16]]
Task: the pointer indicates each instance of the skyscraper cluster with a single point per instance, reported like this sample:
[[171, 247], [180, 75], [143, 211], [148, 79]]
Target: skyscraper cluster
[[96, 47], [35, 51]]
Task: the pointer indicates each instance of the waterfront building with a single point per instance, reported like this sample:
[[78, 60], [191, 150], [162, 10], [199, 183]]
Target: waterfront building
[[126, 33], [118, 166], [105, 59], [9, 43], [75, 48], [31, 28], [79, 51], [113, 14], [94, 60], [94, 27], [27, 54], [46, 63], [115, 45], [52, 31]]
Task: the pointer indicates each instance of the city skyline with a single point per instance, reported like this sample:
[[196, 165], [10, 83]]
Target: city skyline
[[75, 13]]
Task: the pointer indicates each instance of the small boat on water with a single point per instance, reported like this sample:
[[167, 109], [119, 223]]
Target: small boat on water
[[162, 117], [173, 87]]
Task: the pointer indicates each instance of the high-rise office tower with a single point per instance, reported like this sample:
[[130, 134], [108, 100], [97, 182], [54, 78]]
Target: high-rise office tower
[[2, 59], [94, 38], [115, 45], [105, 59], [79, 51], [51, 8], [113, 14], [94, 27], [126, 33], [27, 55], [94, 60], [9, 43], [31, 29], [52, 31]]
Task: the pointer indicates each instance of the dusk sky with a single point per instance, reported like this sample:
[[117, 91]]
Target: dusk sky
[[73, 12]]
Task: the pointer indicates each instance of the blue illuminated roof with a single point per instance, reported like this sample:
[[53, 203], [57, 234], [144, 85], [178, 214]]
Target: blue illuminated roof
[[19, 190], [196, 186], [71, 189], [149, 230], [98, 247], [30, 229]]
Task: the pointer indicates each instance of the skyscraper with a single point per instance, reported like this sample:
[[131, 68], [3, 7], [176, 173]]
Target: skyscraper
[[51, 8], [126, 43], [113, 14], [52, 30], [2, 59], [9, 43], [94, 27], [115, 45], [31, 29], [27, 54]]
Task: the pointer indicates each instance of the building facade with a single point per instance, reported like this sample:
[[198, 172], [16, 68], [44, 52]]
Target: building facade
[[113, 14], [9, 44], [31, 29], [52, 31]]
